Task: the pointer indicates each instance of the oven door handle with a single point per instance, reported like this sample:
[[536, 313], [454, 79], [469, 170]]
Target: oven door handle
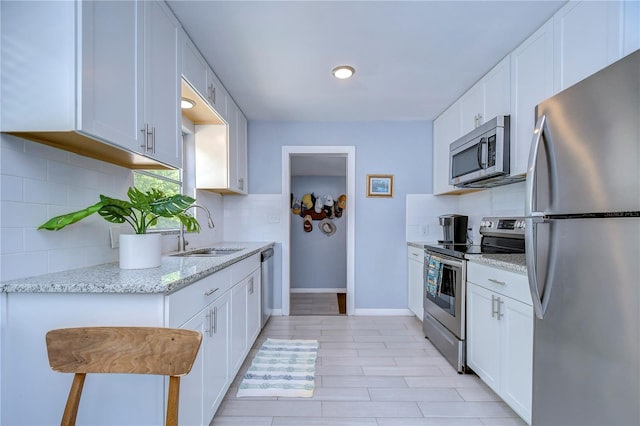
[[445, 261]]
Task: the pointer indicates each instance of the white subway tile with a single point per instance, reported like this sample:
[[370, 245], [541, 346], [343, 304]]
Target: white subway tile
[[11, 240], [38, 240], [65, 259], [35, 149], [16, 215], [21, 265], [12, 188], [41, 192], [16, 163]]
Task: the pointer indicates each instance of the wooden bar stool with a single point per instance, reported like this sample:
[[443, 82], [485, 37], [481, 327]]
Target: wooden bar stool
[[130, 350]]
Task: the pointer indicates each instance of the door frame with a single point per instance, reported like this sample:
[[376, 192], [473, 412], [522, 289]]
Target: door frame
[[349, 152]]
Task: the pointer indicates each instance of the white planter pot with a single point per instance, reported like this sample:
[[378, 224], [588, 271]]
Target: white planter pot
[[140, 251]]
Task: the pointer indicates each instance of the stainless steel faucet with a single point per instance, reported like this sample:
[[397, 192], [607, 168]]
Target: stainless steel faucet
[[183, 242]]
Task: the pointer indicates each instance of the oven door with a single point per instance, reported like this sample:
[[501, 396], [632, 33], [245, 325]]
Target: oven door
[[447, 304]]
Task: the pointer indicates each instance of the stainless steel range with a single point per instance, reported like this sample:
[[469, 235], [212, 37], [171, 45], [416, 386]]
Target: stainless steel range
[[445, 277]]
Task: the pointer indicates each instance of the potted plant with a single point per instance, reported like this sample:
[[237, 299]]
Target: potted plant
[[139, 250]]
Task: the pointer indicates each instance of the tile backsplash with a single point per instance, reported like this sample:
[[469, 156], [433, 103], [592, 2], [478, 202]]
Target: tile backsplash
[[423, 209]]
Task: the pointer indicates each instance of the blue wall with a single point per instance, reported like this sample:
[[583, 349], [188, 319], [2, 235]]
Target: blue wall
[[403, 149]]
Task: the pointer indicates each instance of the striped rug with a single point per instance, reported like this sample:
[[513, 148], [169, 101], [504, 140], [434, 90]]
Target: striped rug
[[282, 368]]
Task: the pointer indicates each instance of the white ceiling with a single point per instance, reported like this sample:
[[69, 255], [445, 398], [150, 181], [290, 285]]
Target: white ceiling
[[412, 58]]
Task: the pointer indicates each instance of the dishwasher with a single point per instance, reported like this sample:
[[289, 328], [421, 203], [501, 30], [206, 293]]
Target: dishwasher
[[267, 284]]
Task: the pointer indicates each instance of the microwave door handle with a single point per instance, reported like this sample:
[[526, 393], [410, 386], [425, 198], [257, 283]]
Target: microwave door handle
[[481, 154]]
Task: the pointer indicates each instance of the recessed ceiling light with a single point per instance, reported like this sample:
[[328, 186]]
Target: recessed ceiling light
[[186, 103], [343, 71]]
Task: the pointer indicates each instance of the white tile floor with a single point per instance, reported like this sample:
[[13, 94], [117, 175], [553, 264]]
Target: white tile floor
[[371, 371]]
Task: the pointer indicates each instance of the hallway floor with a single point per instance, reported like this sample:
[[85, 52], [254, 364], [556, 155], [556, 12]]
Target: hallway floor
[[371, 371], [313, 304]]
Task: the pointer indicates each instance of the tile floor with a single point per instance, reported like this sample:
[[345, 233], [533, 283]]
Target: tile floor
[[371, 371], [313, 304]]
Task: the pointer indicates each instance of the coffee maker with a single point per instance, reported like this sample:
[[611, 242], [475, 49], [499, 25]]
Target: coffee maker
[[454, 228]]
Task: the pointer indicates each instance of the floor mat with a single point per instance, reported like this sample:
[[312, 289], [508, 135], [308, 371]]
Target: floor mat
[[282, 368]]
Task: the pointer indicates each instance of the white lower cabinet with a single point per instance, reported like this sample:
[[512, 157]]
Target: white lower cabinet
[[415, 273], [205, 306], [202, 390], [500, 334]]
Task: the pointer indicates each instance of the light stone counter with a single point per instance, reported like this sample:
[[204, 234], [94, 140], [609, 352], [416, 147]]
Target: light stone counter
[[510, 262], [174, 274]]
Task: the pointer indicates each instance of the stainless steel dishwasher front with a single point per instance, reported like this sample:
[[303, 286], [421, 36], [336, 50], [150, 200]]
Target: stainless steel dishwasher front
[[267, 284]]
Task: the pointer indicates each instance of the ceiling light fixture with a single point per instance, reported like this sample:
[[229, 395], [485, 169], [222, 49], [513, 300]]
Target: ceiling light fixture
[[186, 103], [343, 71]]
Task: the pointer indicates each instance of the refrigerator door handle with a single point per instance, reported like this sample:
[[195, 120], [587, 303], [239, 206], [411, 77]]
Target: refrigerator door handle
[[540, 301], [531, 167]]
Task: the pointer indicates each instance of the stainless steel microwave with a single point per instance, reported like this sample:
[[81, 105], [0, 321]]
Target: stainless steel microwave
[[480, 159]]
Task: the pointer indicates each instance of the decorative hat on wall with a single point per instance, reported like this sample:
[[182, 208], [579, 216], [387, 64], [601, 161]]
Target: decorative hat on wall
[[327, 227]]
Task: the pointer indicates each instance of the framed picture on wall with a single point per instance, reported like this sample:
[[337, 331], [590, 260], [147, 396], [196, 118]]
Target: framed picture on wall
[[379, 185]]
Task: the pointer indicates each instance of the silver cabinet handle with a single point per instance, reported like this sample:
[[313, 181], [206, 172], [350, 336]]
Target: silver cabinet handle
[[500, 314], [415, 255], [215, 320], [210, 292], [251, 285], [241, 184], [209, 327], [493, 280], [493, 306]]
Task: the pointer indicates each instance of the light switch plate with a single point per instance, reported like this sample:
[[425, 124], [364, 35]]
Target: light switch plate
[[114, 236]]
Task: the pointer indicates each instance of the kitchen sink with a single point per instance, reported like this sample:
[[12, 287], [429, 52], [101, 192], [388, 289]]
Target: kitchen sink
[[209, 252]]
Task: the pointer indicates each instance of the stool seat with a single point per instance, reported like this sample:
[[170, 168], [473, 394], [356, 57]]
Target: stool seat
[[127, 350]]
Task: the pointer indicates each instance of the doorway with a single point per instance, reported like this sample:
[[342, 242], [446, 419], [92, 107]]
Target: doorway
[[324, 167]]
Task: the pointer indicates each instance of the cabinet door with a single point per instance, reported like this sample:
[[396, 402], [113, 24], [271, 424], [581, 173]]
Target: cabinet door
[[111, 72], [531, 83], [162, 67], [588, 38], [218, 376], [497, 90], [216, 94], [472, 108], [415, 273], [239, 295], [446, 129], [232, 155], [517, 359], [194, 67], [254, 308], [192, 410], [483, 335], [242, 153]]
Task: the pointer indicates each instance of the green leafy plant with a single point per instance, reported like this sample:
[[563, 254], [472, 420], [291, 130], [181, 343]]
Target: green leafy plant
[[141, 211]]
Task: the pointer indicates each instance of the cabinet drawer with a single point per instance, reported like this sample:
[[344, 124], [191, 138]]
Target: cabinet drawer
[[184, 303], [244, 268], [498, 280], [415, 253]]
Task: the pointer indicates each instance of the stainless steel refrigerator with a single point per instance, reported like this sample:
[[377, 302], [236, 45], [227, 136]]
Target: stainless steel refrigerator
[[583, 250]]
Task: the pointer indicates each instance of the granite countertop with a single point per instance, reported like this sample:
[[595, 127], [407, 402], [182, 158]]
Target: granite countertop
[[174, 273], [510, 262]]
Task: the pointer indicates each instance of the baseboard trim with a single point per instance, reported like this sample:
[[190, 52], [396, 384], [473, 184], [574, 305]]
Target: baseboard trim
[[318, 290], [384, 312]]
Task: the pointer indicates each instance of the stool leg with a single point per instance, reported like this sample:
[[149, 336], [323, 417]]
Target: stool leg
[[73, 400], [172, 402]]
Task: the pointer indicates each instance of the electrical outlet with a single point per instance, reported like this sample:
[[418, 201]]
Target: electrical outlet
[[424, 230], [274, 218]]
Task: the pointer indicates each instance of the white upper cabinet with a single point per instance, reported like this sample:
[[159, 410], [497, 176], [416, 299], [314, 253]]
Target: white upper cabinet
[[588, 37], [531, 83], [202, 78], [488, 98], [71, 81], [446, 129], [162, 83], [194, 67], [221, 154]]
